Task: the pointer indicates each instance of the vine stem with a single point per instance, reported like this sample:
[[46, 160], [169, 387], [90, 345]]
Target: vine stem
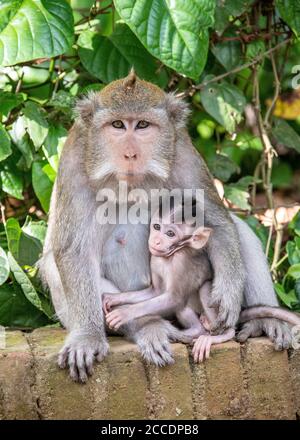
[[237, 69]]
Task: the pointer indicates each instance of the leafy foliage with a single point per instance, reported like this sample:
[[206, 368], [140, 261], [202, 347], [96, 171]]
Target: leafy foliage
[[216, 53]]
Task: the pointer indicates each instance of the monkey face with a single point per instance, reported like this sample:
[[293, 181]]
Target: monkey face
[[132, 146], [130, 128], [167, 237]]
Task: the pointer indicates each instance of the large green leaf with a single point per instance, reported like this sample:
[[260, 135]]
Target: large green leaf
[[26, 285], [5, 149], [224, 102], [228, 53], [53, 144], [17, 311], [13, 234], [4, 266], [175, 31], [109, 58], [35, 123], [286, 135], [31, 29], [41, 183], [26, 243], [12, 181], [8, 101], [290, 13]]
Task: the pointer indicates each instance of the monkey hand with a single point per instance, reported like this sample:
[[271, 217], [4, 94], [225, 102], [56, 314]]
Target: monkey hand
[[201, 348], [80, 351], [109, 300], [118, 317]]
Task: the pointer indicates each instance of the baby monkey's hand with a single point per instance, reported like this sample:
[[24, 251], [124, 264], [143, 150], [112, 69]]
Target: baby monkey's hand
[[118, 317], [109, 300]]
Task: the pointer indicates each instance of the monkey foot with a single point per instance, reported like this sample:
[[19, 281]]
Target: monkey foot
[[201, 349], [79, 353]]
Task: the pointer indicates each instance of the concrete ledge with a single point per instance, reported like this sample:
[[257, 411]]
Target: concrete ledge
[[249, 381]]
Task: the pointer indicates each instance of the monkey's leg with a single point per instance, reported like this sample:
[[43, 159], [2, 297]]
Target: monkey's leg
[[160, 305], [133, 297], [202, 345], [50, 277], [191, 323], [259, 290]]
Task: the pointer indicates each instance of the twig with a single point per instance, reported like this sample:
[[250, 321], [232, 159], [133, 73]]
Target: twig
[[237, 69]]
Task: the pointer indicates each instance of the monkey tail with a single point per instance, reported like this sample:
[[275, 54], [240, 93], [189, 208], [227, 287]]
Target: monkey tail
[[257, 312]]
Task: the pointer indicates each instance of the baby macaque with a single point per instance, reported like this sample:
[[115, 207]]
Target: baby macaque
[[181, 285], [181, 274]]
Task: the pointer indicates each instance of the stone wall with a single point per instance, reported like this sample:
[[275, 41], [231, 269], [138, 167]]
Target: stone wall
[[249, 381]]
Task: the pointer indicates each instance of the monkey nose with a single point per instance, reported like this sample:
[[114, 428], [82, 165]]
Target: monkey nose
[[130, 156]]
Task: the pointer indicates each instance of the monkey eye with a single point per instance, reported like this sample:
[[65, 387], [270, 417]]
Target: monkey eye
[[156, 226], [118, 124], [170, 234], [142, 124]]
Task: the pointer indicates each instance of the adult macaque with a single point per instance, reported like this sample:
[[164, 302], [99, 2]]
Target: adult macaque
[[181, 283], [133, 131]]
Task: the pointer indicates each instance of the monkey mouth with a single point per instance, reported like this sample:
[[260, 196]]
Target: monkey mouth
[[157, 253]]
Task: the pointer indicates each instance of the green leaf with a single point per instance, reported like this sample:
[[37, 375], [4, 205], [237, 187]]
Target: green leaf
[[228, 53], [12, 182], [286, 135], [9, 101], [35, 123], [224, 102], [293, 252], [294, 271], [26, 243], [25, 284], [13, 234], [227, 8], [17, 311], [36, 229], [288, 299], [4, 266], [294, 224], [290, 13], [31, 29], [254, 49], [222, 167], [110, 58], [42, 185], [237, 196], [5, 149], [53, 144], [174, 31]]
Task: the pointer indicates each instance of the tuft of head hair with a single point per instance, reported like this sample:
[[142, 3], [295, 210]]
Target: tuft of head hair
[[130, 80]]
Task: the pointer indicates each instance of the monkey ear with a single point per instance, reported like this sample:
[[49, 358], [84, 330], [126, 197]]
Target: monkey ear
[[178, 110], [87, 106], [200, 237]]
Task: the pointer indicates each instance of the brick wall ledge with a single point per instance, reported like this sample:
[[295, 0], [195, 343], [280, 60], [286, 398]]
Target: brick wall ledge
[[249, 381]]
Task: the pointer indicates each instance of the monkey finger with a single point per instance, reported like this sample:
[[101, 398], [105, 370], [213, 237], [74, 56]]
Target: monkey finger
[[81, 366], [73, 366], [202, 350], [89, 361], [208, 347], [63, 357]]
